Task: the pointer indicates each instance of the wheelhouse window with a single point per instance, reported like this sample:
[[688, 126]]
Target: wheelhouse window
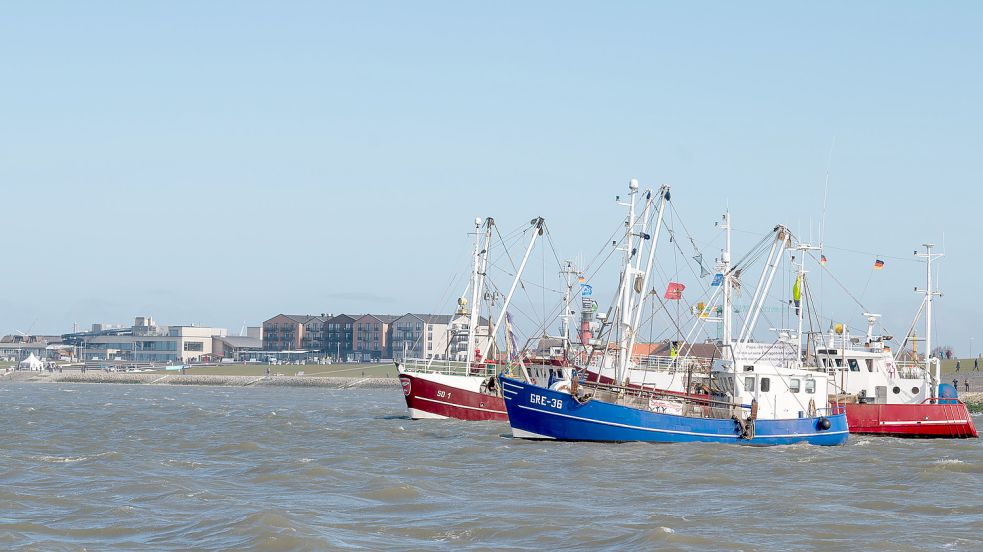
[[854, 365], [810, 386], [749, 384], [765, 385], [794, 385]]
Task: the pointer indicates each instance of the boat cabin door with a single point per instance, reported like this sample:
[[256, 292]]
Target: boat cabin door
[[880, 394]]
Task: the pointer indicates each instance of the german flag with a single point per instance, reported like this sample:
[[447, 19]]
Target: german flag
[[878, 264]]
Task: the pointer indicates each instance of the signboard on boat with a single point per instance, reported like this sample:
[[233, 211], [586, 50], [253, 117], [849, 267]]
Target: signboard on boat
[[777, 354]]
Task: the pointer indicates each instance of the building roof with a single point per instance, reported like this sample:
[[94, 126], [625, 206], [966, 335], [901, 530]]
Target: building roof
[[241, 342], [440, 318], [299, 318], [341, 318], [384, 318]]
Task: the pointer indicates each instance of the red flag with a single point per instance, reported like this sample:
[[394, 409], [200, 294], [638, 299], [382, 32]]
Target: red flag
[[674, 292], [878, 264]]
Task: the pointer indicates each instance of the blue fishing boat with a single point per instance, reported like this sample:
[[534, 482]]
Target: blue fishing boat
[[623, 415], [755, 394]]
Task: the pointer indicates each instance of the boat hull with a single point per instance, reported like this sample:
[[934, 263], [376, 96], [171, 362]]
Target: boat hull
[[429, 397], [923, 420], [539, 413]]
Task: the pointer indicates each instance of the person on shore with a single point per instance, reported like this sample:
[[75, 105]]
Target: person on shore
[[966, 384], [976, 364], [955, 383], [957, 365]]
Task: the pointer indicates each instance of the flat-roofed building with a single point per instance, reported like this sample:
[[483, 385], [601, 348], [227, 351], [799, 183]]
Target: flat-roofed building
[[147, 342], [238, 348]]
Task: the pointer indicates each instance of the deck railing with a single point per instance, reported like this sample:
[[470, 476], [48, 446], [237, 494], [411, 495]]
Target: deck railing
[[449, 367], [694, 406], [669, 364], [910, 370]]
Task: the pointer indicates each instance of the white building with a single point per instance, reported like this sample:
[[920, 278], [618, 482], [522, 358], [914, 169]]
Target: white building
[[147, 342], [443, 337]]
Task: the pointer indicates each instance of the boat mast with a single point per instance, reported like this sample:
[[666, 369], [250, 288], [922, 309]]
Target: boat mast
[[803, 249], [621, 303], [728, 288], [537, 224], [568, 271], [480, 264], [653, 242], [929, 294]]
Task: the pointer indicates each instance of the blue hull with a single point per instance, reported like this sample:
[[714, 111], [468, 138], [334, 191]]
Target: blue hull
[[539, 413]]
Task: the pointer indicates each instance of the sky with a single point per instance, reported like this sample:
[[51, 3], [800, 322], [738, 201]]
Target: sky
[[219, 163]]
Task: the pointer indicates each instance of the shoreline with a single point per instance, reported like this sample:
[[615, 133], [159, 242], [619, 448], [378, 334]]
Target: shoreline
[[329, 382]]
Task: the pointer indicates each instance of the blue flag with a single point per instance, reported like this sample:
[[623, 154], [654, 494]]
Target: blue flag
[[717, 279]]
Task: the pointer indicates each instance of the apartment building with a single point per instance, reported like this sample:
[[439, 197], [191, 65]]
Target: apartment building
[[339, 337], [370, 338], [439, 336], [286, 332]]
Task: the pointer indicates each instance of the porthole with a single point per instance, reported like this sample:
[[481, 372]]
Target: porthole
[[914, 390], [896, 390]]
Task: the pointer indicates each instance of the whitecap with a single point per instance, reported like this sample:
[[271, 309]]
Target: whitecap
[[62, 459]]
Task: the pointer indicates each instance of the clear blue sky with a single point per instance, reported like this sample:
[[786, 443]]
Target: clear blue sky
[[222, 162]]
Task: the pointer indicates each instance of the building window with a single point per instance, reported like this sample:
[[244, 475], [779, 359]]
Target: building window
[[194, 346]]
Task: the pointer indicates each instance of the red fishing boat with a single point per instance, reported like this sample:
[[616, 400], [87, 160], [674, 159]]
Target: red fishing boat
[[463, 384], [883, 395]]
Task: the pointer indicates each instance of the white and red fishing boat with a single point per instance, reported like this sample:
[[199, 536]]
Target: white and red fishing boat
[[463, 385], [887, 396]]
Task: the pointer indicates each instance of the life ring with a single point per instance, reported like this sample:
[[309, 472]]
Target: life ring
[[562, 386]]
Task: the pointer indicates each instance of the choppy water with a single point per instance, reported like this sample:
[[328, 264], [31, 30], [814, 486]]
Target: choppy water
[[158, 468]]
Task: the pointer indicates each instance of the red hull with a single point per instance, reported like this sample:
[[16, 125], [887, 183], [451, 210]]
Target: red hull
[[429, 399], [911, 420]]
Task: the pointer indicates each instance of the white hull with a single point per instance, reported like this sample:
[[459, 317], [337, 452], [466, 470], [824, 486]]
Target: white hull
[[417, 414], [523, 434]]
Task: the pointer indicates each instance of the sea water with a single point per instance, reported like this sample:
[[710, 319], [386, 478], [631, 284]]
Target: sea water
[[148, 467]]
